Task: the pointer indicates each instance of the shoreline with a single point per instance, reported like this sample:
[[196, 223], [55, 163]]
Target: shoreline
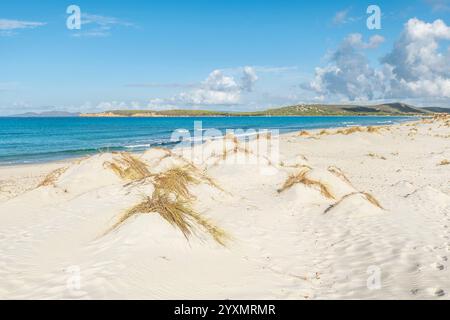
[[69, 159]]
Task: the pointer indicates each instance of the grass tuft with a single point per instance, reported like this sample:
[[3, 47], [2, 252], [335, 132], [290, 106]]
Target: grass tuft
[[339, 173], [176, 181], [51, 178], [129, 167], [368, 196], [303, 133], [173, 201], [302, 178]]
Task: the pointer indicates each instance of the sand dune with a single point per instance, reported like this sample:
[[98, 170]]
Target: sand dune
[[354, 214]]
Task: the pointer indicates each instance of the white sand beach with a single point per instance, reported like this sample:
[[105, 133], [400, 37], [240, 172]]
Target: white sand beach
[[352, 214]]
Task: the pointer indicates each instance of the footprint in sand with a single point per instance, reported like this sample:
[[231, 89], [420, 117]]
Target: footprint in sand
[[437, 266], [442, 258], [437, 292]]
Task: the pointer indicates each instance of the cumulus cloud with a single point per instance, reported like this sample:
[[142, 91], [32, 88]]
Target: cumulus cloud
[[414, 68], [7, 27], [349, 73], [217, 89], [248, 79], [416, 65]]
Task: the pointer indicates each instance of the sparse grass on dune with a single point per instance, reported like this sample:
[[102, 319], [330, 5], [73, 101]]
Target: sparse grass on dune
[[173, 201], [304, 133], [128, 167], [339, 173], [176, 181], [444, 162], [51, 178], [178, 212], [368, 197], [350, 130], [302, 178]]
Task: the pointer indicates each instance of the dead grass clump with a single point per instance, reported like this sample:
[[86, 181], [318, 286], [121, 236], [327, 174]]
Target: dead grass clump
[[324, 132], [351, 130], [373, 129], [129, 167], [303, 133], [368, 197], [178, 212], [372, 199], [302, 178], [444, 162], [51, 178], [339, 173], [173, 201], [176, 181]]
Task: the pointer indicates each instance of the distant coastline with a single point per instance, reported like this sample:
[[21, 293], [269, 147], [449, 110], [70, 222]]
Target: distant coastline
[[391, 109]]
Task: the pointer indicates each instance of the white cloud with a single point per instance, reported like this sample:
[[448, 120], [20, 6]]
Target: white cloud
[[415, 67], [218, 89], [341, 16], [248, 79], [7, 27], [349, 73]]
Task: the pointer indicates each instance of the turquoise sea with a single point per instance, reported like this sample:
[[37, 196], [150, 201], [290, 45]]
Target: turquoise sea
[[30, 140]]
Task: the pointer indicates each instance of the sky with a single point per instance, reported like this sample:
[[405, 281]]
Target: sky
[[221, 55]]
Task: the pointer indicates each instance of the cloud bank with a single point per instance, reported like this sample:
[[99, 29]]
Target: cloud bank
[[416, 67]]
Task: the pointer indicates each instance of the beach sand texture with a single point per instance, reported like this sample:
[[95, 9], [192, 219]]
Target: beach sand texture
[[353, 213]]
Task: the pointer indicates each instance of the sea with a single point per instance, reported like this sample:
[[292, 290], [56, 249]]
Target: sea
[[36, 140]]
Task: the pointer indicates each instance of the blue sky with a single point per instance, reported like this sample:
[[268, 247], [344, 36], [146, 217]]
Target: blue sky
[[227, 55]]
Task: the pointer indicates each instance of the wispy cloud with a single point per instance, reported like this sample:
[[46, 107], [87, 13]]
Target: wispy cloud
[[95, 25], [343, 17], [8, 26], [439, 5], [163, 85]]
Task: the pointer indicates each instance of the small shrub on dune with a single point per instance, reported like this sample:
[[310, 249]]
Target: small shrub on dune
[[302, 178], [444, 162]]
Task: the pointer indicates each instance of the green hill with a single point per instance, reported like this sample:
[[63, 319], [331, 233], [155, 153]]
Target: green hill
[[296, 110]]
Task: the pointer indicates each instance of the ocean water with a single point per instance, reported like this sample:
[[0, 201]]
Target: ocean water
[[31, 140]]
